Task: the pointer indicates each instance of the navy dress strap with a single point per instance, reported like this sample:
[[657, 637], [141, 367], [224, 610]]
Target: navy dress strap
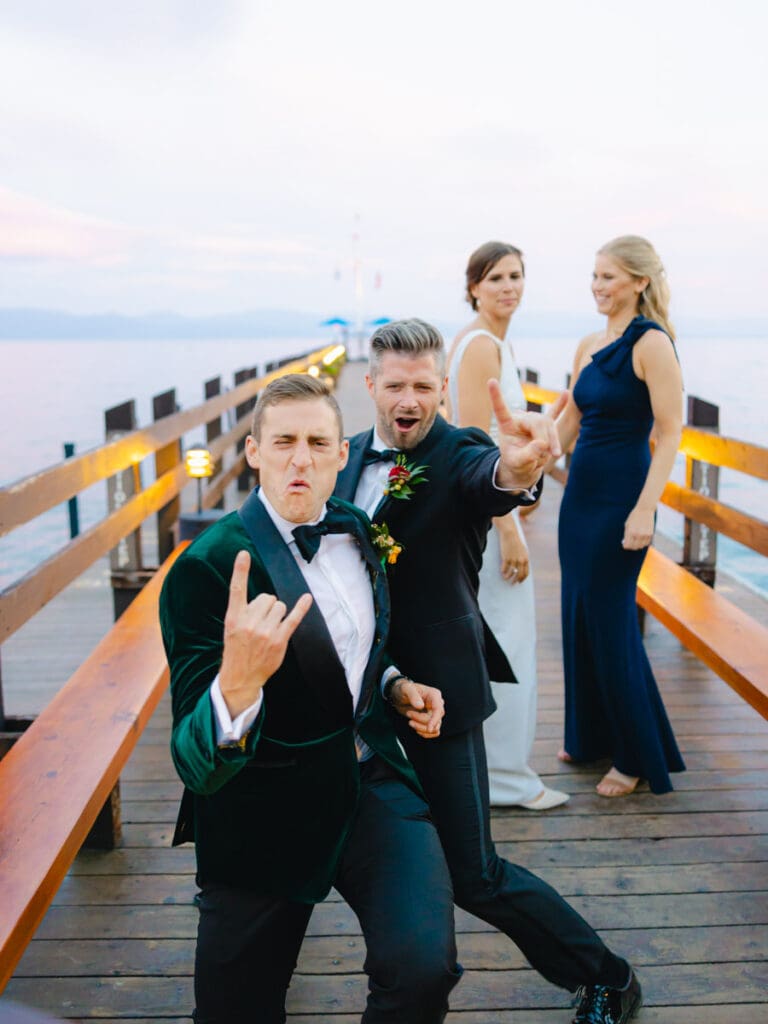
[[613, 357]]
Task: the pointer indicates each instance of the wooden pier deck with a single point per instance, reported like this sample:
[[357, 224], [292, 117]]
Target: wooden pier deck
[[679, 883]]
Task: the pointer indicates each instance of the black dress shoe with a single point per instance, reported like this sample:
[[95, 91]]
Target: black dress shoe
[[599, 1004]]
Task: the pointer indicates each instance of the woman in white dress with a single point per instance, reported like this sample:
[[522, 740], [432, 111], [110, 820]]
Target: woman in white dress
[[495, 281]]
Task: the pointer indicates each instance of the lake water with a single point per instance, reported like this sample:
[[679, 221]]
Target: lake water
[[56, 392]]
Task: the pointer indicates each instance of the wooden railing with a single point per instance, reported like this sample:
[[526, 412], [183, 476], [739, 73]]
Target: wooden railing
[[681, 596], [715, 450], [29, 497]]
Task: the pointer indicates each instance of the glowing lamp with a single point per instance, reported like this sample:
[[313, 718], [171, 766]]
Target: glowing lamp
[[198, 464], [313, 371]]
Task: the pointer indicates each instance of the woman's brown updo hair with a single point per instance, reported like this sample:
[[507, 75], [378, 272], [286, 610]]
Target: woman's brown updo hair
[[483, 260]]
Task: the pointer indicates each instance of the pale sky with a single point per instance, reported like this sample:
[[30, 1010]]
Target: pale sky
[[206, 156]]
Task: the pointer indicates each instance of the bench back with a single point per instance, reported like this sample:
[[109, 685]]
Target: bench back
[[55, 779]]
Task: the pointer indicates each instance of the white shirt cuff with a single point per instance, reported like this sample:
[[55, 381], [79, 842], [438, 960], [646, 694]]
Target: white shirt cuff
[[526, 492], [387, 675], [227, 730]]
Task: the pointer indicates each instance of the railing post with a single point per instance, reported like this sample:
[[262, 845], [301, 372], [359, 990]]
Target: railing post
[[74, 514], [213, 427], [128, 577], [245, 479], [11, 726], [166, 458], [127, 571], [532, 377], [699, 541]]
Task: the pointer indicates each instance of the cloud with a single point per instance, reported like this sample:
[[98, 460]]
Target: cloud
[[32, 230]]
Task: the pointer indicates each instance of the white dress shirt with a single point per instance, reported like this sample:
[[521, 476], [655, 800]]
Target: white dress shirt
[[338, 580]]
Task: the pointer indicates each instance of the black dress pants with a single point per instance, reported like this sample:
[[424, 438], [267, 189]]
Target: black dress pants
[[554, 938], [393, 875]]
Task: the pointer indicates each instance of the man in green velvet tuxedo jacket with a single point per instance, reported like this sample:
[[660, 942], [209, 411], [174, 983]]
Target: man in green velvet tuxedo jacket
[[275, 629]]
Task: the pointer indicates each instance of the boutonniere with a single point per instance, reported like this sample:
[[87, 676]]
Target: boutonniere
[[403, 477], [386, 545]]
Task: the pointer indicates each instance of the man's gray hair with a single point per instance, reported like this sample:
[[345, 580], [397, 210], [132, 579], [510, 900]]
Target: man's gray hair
[[409, 338]]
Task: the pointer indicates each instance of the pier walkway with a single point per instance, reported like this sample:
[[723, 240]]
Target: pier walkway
[[678, 883]]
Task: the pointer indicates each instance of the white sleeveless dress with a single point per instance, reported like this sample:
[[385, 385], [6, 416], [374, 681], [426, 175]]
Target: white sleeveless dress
[[509, 610]]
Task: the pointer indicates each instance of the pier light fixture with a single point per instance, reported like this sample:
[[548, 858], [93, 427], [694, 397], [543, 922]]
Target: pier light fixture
[[313, 371], [198, 463], [336, 353]]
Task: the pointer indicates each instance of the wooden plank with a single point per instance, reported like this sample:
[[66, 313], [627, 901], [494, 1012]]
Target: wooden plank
[[725, 451], [507, 828], [540, 396], [730, 642], [581, 852], [130, 890], [179, 921], [722, 518], [58, 775], [97, 997], [744, 1014], [553, 827]]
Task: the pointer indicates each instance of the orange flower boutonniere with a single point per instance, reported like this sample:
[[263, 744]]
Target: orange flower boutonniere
[[386, 545]]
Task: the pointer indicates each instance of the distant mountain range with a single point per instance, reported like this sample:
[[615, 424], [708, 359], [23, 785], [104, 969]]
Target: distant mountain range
[[53, 325]]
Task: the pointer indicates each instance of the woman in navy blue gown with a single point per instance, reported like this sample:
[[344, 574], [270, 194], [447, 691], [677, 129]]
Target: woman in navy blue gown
[[626, 381]]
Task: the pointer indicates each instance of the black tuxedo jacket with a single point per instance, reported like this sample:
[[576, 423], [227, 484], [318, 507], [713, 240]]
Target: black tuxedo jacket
[[273, 816], [437, 635]]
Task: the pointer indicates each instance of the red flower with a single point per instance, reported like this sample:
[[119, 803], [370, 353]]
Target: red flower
[[403, 477]]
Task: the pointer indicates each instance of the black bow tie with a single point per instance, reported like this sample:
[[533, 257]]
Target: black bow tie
[[370, 456], [308, 536]]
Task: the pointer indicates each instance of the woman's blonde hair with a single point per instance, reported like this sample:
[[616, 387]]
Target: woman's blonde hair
[[637, 256]]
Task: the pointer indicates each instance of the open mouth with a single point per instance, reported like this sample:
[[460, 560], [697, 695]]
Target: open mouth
[[298, 485], [405, 423]]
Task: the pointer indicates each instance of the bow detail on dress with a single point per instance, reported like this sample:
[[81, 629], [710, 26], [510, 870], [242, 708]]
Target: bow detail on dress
[[612, 358]]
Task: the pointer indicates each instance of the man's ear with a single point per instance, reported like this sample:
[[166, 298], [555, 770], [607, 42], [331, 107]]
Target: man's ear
[[343, 454], [369, 384], [252, 452]]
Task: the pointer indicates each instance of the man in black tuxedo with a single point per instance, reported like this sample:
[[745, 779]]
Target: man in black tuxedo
[[295, 780], [444, 486]]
